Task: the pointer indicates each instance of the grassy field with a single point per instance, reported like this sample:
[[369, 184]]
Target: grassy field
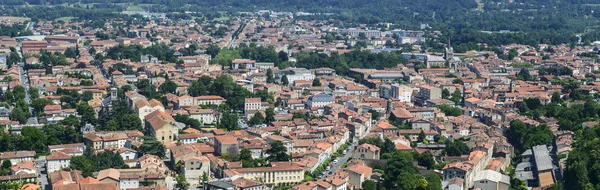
[[14, 19], [66, 19]]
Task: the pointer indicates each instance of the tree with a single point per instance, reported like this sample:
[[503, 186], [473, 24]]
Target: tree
[[34, 93], [33, 139], [524, 75], [369, 185], [197, 89], [87, 96], [284, 80], [168, 87], [270, 115], [278, 152], [433, 182], [375, 114], [88, 114], [426, 159], [270, 78], [456, 97], [82, 164], [70, 53], [228, 121], [182, 182], [19, 115], [388, 146], [283, 56], [39, 104], [19, 92], [456, 148], [450, 110], [204, 178], [445, 93], [316, 82], [256, 119], [556, 97], [152, 146]]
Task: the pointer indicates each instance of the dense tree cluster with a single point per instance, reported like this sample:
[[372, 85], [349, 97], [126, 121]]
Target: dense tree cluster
[[14, 30], [134, 52], [252, 51], [90, 163], [353, 59], [523, 137], [120, 117], [449, 110]]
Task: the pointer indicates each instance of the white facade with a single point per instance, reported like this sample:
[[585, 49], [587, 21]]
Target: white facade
[[402, 92], [129, 155], [204, 118], [55, 165], [129, 183], [115, 144]]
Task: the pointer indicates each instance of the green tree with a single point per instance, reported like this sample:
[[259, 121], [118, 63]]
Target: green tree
[[19, 92], [182, 182], [152, 146], [556, 97], [445, 93], [456, 148], [316, 82], [256, 119], [450, 110], [87, 96], [284, 80], [88, 114], [270, 115], [39, 104], [228, 121], [34, 93], [426, 159], [168, 87], [369, 185], [19, 115], [433, 182], [270, 78], [197, 89], [277, 152], [33, 139], [82, 164], [456, 97]]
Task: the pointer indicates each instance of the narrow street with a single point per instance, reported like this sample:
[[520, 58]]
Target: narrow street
[[342, 160], [42, 174]]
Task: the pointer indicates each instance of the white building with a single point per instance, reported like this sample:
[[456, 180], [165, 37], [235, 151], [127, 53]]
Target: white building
[[402, 92], [492, 180], [18, 156], [129, 181], [319, 100], [58, 160]]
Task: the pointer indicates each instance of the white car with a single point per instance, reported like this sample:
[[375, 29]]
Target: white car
[[335, 161], [328, 168], [345, 152]]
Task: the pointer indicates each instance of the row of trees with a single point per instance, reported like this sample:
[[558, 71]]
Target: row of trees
[[32, 138], [252, 51]]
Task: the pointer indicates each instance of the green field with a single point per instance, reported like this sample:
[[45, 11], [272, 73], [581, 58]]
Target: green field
[[66, 19]]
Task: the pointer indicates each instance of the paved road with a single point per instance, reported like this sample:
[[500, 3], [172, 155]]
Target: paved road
[[42, 174], [25, 83], [342, 160]]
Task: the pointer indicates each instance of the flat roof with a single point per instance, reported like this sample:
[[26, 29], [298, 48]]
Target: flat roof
[[542, 158]]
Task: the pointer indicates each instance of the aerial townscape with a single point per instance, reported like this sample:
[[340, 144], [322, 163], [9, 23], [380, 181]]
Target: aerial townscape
[[299, 95]]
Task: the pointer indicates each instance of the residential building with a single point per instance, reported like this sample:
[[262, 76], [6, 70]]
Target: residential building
[[492, 180], [161, 126], [18, 156], [366, 151], [57, 161]]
